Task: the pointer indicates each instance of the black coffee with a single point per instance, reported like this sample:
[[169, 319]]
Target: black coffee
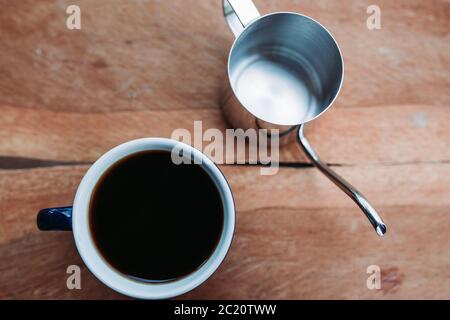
[[154, 220]]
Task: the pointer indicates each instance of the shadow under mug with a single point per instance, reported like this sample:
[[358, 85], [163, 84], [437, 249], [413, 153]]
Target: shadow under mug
[[284, 69], [76, 218]]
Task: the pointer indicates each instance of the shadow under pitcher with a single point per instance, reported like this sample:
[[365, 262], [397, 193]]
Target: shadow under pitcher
[[285, 69]]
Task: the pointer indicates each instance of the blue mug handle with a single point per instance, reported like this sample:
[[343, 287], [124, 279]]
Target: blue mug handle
[[55, 219]]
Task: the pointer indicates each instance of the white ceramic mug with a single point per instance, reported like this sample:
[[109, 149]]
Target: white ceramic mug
[[76, 218]]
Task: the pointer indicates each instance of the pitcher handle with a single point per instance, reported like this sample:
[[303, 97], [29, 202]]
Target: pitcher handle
[[239, 14], [354, 194]]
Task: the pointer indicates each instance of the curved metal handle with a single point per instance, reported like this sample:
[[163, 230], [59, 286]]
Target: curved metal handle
[[239, 14], [357, 197]]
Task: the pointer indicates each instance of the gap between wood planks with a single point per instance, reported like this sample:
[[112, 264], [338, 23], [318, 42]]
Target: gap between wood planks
[[21, 163]]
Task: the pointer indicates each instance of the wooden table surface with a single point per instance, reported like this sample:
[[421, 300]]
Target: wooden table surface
[[144, 68]]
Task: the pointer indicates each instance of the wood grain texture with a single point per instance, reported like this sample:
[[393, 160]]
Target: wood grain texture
[[141, 55], [384, 134], [145, 68], [305, 240]]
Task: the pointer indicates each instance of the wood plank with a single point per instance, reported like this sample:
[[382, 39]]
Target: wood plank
[[306, 240], [24, 192], [386, 134], [136, 55]]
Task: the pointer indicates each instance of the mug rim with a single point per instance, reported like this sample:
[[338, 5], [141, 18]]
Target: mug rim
[[94, 259], [286, 13]]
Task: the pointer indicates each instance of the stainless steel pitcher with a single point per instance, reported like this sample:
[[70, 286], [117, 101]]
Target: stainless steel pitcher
[[284, 70]]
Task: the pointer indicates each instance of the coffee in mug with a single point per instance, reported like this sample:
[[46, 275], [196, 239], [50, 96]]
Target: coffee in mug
[[139, 227]]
